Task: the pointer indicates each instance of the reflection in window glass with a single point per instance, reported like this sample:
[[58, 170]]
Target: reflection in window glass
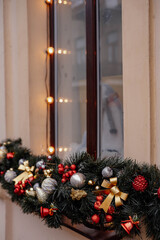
[[70, 75], [110, 74]]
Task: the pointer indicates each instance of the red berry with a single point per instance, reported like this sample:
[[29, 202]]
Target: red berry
[[20, 182], [31, 179], [64, 175], [66, 167], [97, 204], [95, 218], [70, 173], [158, 192], [63, 180], [1, 172], [22, 191], [67, 175], [109, 218], [111, 210], [73, 167], [99, 198], [16, 190], [10, 155], [23, 185], [60, 166], [26, 181], [74, 171], [17, 186]]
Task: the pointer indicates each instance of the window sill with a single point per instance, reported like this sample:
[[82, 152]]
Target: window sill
[[90, 233]]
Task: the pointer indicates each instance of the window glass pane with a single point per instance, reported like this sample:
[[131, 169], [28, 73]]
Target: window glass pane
[[110, 75], [70, 75]]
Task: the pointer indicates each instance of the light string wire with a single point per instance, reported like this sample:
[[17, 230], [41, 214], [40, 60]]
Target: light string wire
[[46, 79]]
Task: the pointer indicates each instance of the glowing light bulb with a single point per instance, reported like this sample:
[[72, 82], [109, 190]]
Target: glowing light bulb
[[65, 149], [66, 100], [59, 51], [64, 2], [50, 100], [64, 51], [61, 100], [59, 1], [51, 150], [48, 1], [50, 50], [60, 149]]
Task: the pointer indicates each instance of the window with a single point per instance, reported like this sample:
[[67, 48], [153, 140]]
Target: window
[[86, 77]]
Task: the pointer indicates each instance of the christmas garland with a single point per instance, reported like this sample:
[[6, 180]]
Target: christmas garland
[[106, 194]]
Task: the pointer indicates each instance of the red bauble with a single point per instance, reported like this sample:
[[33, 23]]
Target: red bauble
[[158, 192], [109, 218], [73, 167], [10, 155], [97, 204], [140, 183], [95, 218], [99, 198], [111, 210]]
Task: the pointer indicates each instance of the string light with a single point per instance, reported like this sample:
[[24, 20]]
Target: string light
[[61, 100], [59, 51], [64, 2], [60, 149], [66, 100], [50, 50], [50, 100], [60, 1], [64, 52], [51, 150], [48, 1]]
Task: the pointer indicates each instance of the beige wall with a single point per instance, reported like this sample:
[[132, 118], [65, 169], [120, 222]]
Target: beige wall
[[22, 92]]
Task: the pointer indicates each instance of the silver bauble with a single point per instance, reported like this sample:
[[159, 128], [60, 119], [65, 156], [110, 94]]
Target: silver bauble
[[3, 152], [107, 172], [41, 195], [40, 163], [21, 161], [9, 175], [49, 185], [77, 180], [35, 186]]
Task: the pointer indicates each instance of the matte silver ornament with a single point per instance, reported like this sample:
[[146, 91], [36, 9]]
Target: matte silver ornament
[[107, 172], [78, 180], [41, 195], [49, 185], [35, 186], [10, 175], [21, 161]]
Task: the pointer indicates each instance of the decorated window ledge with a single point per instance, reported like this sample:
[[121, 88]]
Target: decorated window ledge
[[107, 194]]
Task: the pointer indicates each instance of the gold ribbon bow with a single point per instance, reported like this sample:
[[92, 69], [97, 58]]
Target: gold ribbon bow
[[26, 174], [114, 192]]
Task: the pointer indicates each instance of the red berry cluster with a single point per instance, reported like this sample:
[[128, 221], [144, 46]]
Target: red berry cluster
[[140, 183], [20, 187], [66, 171], [98, 202]]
